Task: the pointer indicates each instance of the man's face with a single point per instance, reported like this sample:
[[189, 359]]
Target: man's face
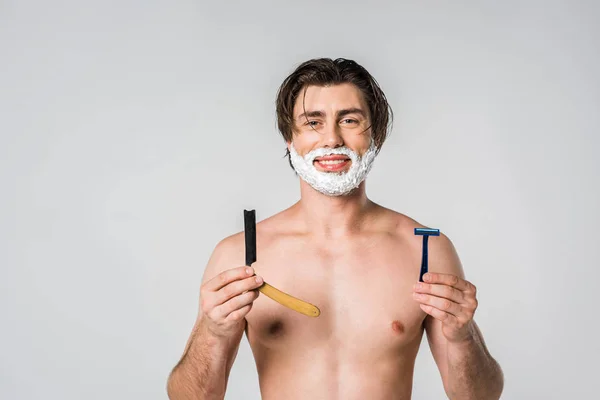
[[331, 117]]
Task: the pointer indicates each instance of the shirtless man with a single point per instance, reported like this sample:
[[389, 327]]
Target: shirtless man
[[357, 261]]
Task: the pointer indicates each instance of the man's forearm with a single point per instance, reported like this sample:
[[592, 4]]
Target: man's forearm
[[203, 370], [472, 371]]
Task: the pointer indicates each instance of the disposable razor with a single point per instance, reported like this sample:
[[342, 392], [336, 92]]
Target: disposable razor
[[282, 298], [425, 232]]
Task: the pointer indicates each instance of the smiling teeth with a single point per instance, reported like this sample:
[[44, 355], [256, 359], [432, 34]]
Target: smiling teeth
[[331, 162]]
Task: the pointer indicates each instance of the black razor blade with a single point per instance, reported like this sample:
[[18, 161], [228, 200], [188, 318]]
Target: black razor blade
[[250, 236]]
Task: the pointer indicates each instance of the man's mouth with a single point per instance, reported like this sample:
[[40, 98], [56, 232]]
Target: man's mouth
[[332, 163]]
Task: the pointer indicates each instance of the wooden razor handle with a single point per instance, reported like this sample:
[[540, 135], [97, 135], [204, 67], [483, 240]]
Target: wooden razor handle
[[289, 301]]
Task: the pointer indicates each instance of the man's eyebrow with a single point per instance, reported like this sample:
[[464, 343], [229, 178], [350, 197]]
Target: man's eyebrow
[[311, 114], [353, 110]]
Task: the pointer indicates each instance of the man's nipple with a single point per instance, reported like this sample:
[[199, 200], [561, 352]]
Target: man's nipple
[[275, 328], [397, 327]]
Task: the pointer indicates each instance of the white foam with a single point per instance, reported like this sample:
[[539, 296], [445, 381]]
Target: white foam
[[333, 183]]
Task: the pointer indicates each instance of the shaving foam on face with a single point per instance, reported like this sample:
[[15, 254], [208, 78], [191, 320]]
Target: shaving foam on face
[[333, 183]]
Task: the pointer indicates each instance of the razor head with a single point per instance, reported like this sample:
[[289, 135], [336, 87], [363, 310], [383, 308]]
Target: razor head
[[427, 232], [250, 236]]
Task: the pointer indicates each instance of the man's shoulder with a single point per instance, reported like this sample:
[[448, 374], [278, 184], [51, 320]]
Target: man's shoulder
[[442, 246], [233, 247], [403, 227], [228, 253], [396, 222]]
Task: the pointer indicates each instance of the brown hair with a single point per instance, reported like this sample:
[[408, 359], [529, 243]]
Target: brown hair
[[325, 72]]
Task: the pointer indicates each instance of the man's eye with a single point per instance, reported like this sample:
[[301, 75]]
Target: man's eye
[[312, 123], [350, 121]]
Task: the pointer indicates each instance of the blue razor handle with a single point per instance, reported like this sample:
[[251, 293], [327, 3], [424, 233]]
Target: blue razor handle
[[425, 232]]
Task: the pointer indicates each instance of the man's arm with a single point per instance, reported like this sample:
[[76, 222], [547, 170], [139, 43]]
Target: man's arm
[[226, 298], [467, 368], [203, 371]]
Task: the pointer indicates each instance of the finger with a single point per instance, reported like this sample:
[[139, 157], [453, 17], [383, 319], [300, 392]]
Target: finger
[[447, 279], [237, 287], [444, 317], [440, 303], [239, 314], [445, 291], [226, 277], [223, 311]]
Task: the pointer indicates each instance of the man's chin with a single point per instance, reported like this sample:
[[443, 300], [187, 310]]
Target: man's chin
[[329, 173], [345, 194]]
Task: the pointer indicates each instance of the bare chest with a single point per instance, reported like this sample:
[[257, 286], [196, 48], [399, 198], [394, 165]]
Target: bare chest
[[362, 288]]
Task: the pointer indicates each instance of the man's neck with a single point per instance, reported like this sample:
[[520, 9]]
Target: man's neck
[[333, 216]]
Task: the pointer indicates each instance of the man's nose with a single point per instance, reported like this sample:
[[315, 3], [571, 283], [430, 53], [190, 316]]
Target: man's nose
[[331, 136]]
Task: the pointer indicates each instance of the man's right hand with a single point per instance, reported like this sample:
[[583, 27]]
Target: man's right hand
[[227, 298]]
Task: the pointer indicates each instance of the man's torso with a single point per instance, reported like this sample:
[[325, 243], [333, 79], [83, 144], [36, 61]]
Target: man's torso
[[364, 343]]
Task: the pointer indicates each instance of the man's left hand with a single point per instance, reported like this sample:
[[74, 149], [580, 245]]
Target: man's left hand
[[451, 300]]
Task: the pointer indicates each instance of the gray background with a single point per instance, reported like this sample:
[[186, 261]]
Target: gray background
[[134, 133]]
